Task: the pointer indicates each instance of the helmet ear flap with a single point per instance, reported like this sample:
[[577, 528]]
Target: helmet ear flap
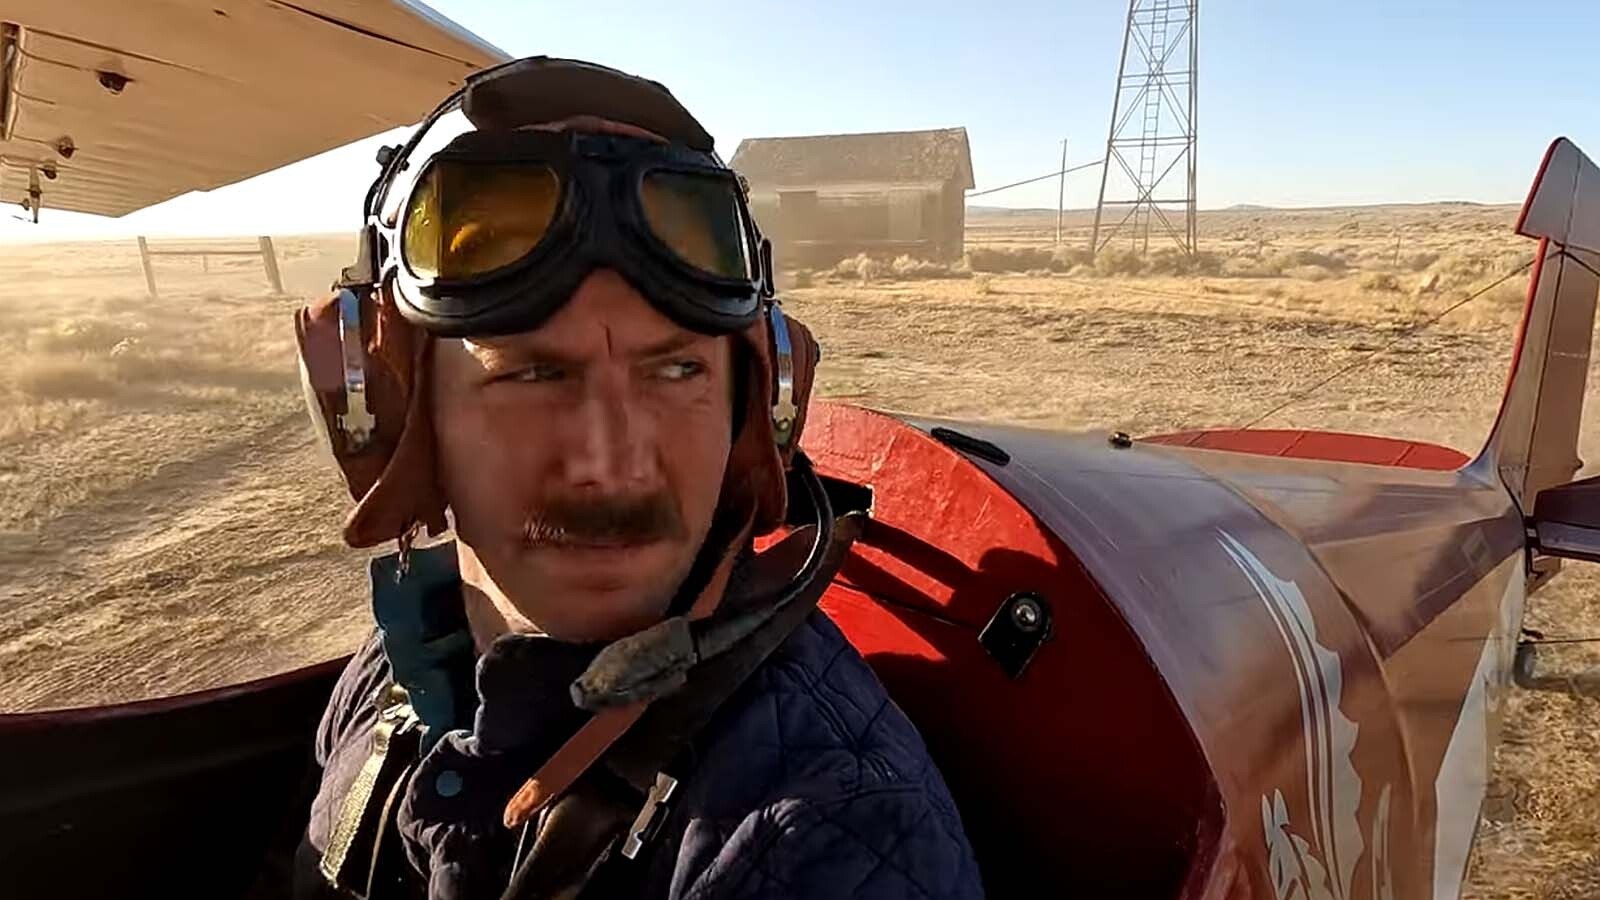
[[329, 338], [782, 373], [314, 409], [795, 354], [364, 374]]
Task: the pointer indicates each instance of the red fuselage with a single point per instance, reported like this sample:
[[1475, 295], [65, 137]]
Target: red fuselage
[[1264, 671]]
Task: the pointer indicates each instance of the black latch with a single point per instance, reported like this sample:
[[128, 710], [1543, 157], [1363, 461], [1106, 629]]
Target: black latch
[[966, 443], [1021, 624]]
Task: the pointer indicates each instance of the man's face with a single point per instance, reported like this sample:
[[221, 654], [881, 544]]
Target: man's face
[[583, 460]]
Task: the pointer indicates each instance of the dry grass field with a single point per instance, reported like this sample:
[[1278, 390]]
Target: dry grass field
[[167, 523]]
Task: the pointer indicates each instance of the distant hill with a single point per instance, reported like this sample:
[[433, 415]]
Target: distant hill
[[974, 209], [1006, 211], [991, 223]]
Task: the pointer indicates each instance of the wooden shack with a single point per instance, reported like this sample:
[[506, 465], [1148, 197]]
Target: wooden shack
[[821, 198]]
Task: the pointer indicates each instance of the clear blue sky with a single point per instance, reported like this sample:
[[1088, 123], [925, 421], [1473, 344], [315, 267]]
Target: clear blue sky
[[1301, 103]]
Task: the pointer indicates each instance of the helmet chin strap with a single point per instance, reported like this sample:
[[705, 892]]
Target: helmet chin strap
[[651, 663], [783, 416], [717, 545]]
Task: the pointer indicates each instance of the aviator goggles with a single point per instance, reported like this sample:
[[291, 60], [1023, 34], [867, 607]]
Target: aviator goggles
[[491, 231]]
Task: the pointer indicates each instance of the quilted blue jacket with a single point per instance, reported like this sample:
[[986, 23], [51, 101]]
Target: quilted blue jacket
[[809, 782]]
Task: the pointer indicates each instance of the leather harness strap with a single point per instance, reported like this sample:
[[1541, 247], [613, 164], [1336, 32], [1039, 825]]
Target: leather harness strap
[[610, 836], [570, 761], [580, 751], [574, 833]]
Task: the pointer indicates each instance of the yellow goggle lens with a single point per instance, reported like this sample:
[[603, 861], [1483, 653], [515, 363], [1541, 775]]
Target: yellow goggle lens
[[470, 218]]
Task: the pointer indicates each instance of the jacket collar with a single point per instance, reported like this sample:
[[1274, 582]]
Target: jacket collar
[[515, 694]]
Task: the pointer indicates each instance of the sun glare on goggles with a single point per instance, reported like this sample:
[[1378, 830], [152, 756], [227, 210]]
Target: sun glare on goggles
[[469, 219]]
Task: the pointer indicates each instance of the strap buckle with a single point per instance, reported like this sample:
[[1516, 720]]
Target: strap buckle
[[651, 816]]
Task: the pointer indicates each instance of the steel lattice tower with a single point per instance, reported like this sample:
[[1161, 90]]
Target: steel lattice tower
[[1151, 147]]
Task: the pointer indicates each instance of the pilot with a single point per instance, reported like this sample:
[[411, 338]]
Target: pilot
[[559, 347]]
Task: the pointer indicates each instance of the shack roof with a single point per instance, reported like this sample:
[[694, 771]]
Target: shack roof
[[911, 156]]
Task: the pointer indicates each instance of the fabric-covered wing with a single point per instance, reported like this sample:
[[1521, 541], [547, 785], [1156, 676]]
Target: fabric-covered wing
[[128, 104]]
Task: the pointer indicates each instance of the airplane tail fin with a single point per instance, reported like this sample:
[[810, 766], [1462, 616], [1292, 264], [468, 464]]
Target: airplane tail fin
[[1534, 443]]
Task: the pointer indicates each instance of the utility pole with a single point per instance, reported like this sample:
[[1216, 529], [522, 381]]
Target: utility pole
[[1061, 190], [1151, 147]]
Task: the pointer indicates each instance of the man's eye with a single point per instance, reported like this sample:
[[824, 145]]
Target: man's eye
[[536, 373], [679, 370]]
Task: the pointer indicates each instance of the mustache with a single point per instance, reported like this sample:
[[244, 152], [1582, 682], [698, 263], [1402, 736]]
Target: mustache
[[638, 519]]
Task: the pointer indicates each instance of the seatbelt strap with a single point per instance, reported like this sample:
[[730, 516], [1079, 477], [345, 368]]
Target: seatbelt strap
[[387, 873], [348, 860]]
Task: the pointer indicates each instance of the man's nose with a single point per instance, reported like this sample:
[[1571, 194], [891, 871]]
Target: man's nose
[[612, 449]]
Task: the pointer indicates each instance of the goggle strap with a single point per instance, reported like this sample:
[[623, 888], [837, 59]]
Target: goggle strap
[[363, 272], [764, 260]]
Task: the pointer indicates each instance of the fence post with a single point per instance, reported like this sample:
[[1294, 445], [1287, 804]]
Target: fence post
[[269, 259], [149, 273]]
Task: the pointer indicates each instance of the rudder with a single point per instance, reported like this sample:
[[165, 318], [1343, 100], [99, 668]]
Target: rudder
[[1534, 443]]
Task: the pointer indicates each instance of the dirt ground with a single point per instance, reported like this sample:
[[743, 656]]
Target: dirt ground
[[167, 521]]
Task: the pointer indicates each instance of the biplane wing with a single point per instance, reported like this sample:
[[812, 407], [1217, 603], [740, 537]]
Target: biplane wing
[[104, 111]]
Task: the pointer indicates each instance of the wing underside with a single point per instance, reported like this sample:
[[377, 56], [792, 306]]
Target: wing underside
[[107, 106]]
